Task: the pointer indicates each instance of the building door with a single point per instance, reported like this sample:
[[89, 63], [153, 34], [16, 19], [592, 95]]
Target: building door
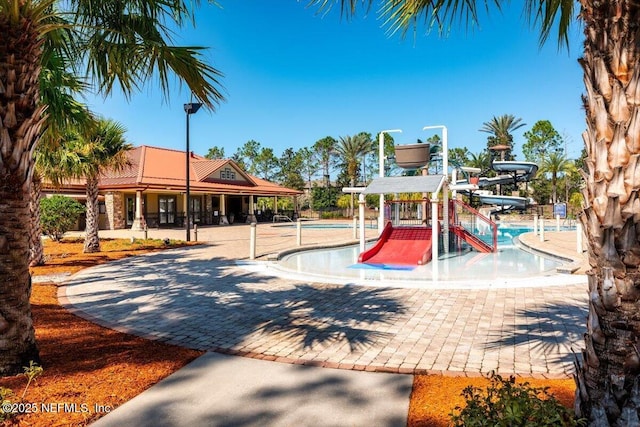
[[196, 210], [167, 210], [130, 203]]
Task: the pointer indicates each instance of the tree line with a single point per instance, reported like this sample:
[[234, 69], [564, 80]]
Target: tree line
[[354, 160]]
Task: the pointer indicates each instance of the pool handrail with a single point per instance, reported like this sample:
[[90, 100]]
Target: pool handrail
[[475, 214]]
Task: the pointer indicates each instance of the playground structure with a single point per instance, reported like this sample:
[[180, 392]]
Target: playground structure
[[432, 225]]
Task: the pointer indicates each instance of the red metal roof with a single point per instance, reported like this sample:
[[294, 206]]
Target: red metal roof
[[164, 169]]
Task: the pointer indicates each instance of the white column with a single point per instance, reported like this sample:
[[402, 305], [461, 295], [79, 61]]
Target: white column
[[535, 224], [557, 222], [299, 232], [425, 172], [361, 203], [223, 210], [542, 229], [252, 241], [138, 221], [434, 235], [381, 175], [252, 211], [445, 188]]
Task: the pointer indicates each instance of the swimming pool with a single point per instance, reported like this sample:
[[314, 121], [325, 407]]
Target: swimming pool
[[369, 225], [511, 266]]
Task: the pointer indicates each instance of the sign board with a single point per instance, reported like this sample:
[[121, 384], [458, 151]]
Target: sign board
[[560, 209]]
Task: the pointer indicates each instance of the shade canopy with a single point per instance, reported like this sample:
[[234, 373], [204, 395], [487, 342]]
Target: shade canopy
[[405, 184]]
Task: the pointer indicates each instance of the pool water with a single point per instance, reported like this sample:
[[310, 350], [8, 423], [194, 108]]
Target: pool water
[[510, 264], [370, 225]]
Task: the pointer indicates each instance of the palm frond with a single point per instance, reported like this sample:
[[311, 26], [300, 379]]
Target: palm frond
[[548, 14], [127, 43], [404, 15]]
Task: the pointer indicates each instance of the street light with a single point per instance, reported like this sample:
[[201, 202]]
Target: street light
[[190, 108], [381, 173], [445, 186]]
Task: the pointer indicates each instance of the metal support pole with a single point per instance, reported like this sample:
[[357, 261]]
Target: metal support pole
[[557, 222], [187, 224], [190, 108], [434, 235], [542, 229], [361, 203], [535, 224]]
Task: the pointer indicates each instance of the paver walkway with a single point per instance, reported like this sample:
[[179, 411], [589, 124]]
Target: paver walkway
[[199, 298]]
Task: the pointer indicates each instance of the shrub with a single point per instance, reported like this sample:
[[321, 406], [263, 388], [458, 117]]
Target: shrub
[[324, 198], [505, 403], [331, 215], [59, 214]]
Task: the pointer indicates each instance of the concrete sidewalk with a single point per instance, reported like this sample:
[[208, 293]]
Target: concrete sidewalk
[[219, 390]]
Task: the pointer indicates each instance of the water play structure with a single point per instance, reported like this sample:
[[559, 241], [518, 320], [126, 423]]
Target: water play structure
[[434, 225], [510, 172], [400, 246]]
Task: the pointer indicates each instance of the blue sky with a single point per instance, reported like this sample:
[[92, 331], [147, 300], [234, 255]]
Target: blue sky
[[292, 77]]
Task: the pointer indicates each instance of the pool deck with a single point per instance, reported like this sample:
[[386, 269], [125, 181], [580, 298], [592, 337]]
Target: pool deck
[[199, 297], [175, 296]]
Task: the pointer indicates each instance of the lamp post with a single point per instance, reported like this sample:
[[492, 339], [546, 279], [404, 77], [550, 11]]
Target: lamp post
[[190, 108], [381, 174], [445, 186]]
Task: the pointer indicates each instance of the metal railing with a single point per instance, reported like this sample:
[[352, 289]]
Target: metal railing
[[475, 224], [408, 212]]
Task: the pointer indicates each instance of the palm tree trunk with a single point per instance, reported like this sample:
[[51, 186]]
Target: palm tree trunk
[[17, 337], [608, 377], [91, 240], [36, 253], [20, 123]]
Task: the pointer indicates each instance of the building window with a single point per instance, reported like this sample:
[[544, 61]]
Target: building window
[[167, 209], [228, 173]]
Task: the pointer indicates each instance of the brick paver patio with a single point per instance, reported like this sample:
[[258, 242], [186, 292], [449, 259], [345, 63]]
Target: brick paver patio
[[200, 298]]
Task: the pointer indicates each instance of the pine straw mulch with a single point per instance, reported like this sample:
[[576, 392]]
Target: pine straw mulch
[[98, 369]]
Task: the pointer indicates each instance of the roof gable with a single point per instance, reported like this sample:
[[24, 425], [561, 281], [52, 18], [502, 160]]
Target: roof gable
[[221, 171]]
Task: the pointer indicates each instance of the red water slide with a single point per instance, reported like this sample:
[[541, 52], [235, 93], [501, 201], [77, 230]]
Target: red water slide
[[400, 246]]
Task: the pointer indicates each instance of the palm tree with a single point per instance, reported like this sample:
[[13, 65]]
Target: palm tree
[[481, 161], [57, 90], [349, 152], [609, 375], [554, 163], [85, 155], [501, 129], [103, 147], [124, 44]]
